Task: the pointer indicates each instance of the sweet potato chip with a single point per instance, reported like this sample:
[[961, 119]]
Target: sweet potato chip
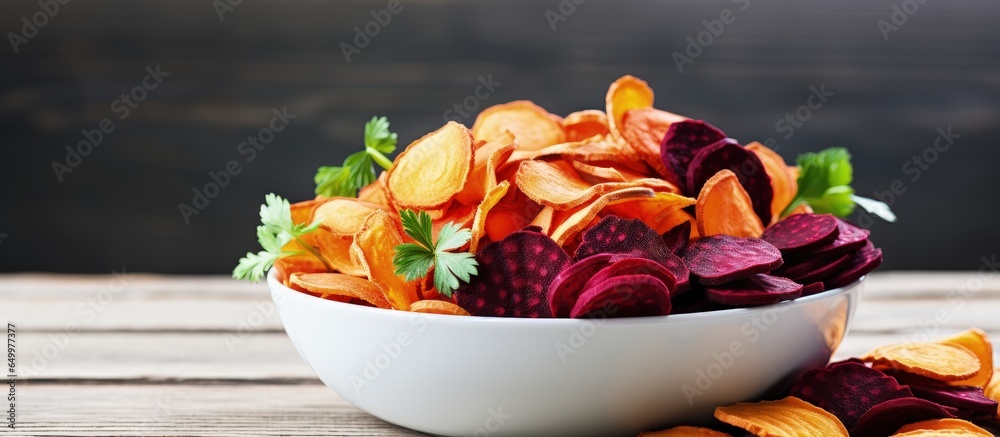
[[943, 362], [978, 343], [783, 183], [788, 417], [724, 207], [581, 125], [685, 431], [438, 307], [942, 427], [571, 222], [375, 245], [488, 158], [643, 130], [432, 170], [482, 212], [628, 92], [341, 285], [337, 251], [533, 126], [343, 216]]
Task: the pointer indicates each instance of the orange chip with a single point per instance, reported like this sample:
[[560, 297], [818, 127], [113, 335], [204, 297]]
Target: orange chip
[[787, 417], [546, 184], [432, 170], [438, 307], [488, 158], [560, 150], [581, 125], [724, 207], [992, 389], [341, 285], [944, 362], [513, 212], [571, 222], [685, 431], [942, 427], [375, 245], [597, 174], [653, 210], [976, 341], [675, 218], [783, 183], [482, 212], [305, 262], [343, 216], [544, 219], [533, 126], [375, 193], [337, 251], [643, 130], [628, 92]]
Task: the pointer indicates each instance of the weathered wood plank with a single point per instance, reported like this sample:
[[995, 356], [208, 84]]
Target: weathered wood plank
[[186, 409]]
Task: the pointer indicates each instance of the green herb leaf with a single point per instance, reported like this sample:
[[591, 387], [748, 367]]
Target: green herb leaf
[[358, 169], [415, 260], [825, 185], [275, 231]]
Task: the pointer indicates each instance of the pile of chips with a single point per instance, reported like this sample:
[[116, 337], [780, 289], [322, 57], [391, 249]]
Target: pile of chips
[[908, 389], [621, 212]]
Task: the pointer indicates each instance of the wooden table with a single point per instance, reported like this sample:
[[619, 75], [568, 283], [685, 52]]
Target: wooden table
[[172, 355]]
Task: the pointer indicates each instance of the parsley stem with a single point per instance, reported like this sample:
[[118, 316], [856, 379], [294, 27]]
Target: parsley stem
[[379, 158], [308, 247]]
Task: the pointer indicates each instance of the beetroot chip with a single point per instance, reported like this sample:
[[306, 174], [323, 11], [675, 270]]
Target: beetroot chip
[[801, 232], [682, 275], [624, 296], [682, 141], [727, 154], [847, 389], [759, 289], [564, 291], [677, 238], [635, 239], [812, 269], [886, 417], [718, 259], [694, 301], [621, 265], [863, 262], [514, 276], [849, 239], [970, 401], [812, 288]]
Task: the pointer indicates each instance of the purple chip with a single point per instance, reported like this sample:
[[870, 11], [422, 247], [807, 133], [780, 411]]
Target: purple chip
[[849, 239], [970, 401], [887, 417], [801, 232], [624, 296], [847, 390], [727, 154], [682, 141], [812, 269], [812, 288], [861, 263], [677, 238], [622, 265], [614, 234], [759, 289], [719, 259], [565, 289]]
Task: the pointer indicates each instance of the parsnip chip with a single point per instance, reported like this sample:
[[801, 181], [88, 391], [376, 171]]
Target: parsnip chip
[[337, 251], [643, 130], [942, 427], [568, 224], [533, 126], [788, 417], [432, 170], [488, 158], [783, 184], [343, 216], [375, 245], [482, 212], [685, 431], [341, 285], [438, 307], [944, 362], [628, 92], [724, 207], [581, 125], [976, 341]]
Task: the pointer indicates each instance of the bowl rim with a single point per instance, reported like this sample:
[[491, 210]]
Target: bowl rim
[[744, 312]]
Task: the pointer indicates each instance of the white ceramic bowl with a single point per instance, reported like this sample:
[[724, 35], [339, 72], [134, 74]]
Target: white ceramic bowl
[[488, 376]]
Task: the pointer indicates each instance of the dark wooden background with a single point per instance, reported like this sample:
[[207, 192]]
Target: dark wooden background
[[119, 208]]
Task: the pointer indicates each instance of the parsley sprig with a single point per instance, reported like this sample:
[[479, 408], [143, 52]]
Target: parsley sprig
[[275, 231], [358, 169], [415, 260], [825, 185]]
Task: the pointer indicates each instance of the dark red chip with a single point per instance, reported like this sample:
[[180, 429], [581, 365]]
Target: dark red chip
[[727, 154], [812, 288], [677, 238], [863, 262], [802, 232], [719, 259], [886, 417], [847, 389], [566, 288], [812, 269], [759, 289], [682, 276], [849, 239], [514, 276], [970, 401], [622, 265], [694, 301], [624, 296], [682, 141], [614, 234]]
